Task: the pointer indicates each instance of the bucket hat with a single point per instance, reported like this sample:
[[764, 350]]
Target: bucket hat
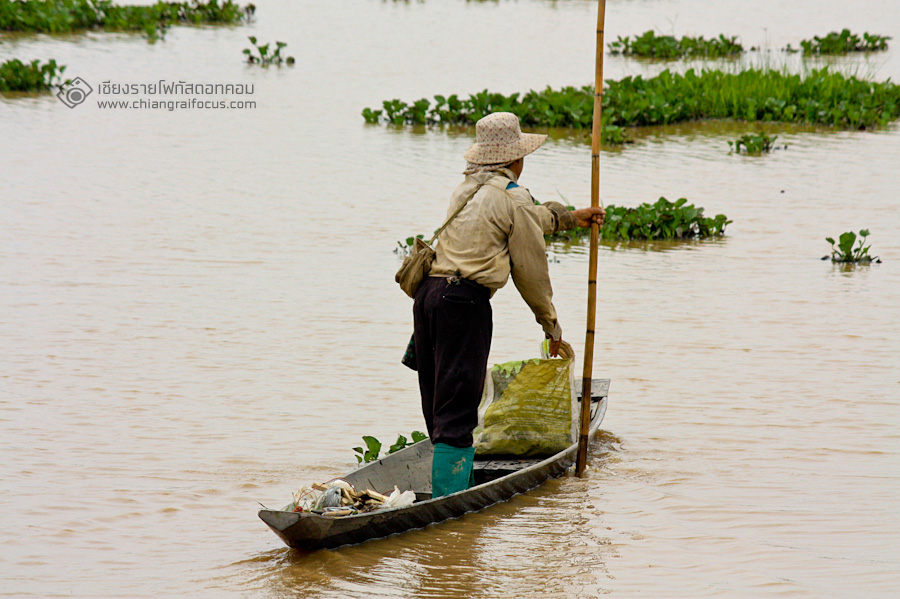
[[499, 140]]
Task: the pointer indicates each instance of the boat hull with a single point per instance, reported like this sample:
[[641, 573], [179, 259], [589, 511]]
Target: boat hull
[[409, 469]]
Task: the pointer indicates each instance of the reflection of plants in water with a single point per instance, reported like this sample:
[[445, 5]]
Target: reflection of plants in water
[[754, 143], [842, 43], [18, 76], [650, 45], [755, 95], [846, 252], [55, 16], [263, 57]]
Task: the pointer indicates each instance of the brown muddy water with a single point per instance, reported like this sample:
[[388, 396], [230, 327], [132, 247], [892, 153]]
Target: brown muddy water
[[198, 314]]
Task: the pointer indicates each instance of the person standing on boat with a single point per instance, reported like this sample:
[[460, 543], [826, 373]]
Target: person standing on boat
[[500, 232]]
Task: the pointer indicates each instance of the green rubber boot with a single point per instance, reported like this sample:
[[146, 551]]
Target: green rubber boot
[[451, 469]]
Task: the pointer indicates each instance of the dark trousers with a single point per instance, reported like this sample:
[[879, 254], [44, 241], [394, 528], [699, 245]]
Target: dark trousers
[[453, 326]]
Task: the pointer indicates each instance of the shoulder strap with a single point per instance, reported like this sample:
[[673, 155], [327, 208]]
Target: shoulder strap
[[452, 216]]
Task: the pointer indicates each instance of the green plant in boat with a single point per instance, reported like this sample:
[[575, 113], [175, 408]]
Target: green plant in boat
[[370, 452], [845, 250], [18, 76], [265, 58], [373, 446], [402, 442], [754, 143], [650, 45]]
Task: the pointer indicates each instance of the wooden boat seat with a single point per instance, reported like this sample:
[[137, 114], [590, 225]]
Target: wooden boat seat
[[490, 468]]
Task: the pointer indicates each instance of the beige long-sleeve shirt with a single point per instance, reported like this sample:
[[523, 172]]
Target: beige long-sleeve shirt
[[501, 232]]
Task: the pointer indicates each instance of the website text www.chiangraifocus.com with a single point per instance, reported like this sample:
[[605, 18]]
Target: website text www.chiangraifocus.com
[[159, 95], [175, 104]]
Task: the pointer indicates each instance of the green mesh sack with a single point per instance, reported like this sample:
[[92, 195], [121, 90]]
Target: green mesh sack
[[528, 409]]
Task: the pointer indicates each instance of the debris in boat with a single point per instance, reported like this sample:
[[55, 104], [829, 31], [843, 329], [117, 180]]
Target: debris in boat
[[339, 498], [340, 511], [400, 499], [333, 497]]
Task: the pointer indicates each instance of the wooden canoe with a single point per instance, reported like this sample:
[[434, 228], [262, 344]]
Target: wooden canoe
[[496, 480]]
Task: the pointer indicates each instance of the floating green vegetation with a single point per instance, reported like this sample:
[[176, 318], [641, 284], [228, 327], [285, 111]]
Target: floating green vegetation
[[660, 220], [650, 45], [842, 43], [820, 97], [34, 76], [568, 107], [845, 252], [373, 446], [754, 143], [263, 57], [404, 248], [57, 16]]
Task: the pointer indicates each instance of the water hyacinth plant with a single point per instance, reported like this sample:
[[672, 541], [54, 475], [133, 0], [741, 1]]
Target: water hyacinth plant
[[845, 252], [404, 248], [34, 76], [650, 45], [820, 97], [568, 107], [263, 57], [843, 43], [661, 220], [754, 143], [373, 446], [56, 16]]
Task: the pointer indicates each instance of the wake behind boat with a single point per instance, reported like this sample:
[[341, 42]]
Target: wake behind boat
[[496, 480]]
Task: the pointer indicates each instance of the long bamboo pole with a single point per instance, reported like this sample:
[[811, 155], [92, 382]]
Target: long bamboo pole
[[581, 460]]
